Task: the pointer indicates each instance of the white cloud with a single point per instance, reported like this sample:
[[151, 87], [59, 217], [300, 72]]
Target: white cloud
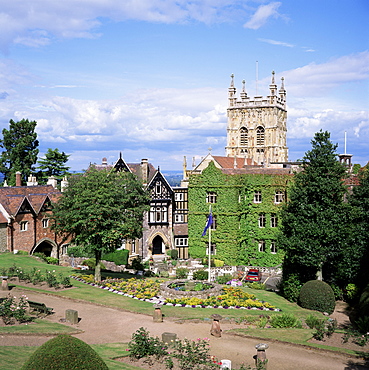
[[316, 79], [274, 42], [262, 14], [37, 22], [148, 116]]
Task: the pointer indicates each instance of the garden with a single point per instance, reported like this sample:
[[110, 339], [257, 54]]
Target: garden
[[291, 324]]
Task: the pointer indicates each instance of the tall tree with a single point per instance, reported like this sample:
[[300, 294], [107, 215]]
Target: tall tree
[[313, 218], [100, 209], [53, 164], [20, 149], [359, 200]]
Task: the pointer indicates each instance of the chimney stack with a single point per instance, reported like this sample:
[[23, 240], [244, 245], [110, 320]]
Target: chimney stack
[[145, 170], [18, 179]]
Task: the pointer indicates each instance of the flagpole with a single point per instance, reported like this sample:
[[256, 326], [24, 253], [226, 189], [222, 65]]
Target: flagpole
[[209, 275]]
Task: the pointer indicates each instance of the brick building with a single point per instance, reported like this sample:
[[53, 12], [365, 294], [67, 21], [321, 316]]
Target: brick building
[[25, 219]]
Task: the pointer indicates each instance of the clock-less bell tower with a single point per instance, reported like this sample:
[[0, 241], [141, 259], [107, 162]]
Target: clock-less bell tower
[[257, 127]]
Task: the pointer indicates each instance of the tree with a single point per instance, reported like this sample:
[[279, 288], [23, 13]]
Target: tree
[[359, 200], [313, 228], [99, 209], [20, 144], [53, 165]]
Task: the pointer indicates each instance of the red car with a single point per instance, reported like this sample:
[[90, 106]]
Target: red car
[[253, 275]]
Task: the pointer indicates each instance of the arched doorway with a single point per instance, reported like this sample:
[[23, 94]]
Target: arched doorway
[[157, 245], [44, 247]]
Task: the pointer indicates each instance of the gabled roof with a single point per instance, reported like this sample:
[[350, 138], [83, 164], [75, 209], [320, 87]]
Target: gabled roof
[[12, 198], [159, 176], [225, 162], [136, 168], [144, 171]]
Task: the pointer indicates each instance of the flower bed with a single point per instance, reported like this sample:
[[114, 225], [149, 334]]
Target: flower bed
[[148, 290], [36, 276]]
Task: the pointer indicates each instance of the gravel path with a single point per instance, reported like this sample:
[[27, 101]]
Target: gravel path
[[107, 325]]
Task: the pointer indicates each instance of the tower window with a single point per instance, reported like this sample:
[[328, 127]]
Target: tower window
[[243, 136], [260, 136]]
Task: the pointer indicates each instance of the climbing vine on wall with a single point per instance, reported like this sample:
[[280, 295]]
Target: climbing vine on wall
[[238, 233]]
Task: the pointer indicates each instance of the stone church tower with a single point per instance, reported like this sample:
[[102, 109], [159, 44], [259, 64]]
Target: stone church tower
[[257, 127]]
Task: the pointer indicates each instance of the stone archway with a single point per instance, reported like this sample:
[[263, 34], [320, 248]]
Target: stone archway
[[46, 247], [157, 245]]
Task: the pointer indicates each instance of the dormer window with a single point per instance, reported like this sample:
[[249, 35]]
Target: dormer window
[[243, 136]]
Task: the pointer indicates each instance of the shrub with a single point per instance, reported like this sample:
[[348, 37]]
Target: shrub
[[181, 273], [164, 274], [337, 291], [285, 320], [312, 321], [40, 255], [173, 253], [91, 263], [324, 328], [52, 260], [137, 264], [218, 263], [12, 309], [351, 293], [119, 257], [256, 285], [200, 275], [224, 278], [142, 345], [291, 288], [317, 295], [22, 253], [65, 352]]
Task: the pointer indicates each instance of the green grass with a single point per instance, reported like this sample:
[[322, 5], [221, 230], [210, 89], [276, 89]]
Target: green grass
[[296, 336], [13, 357], [39, 326]]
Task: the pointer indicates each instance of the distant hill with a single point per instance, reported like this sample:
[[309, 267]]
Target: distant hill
[[173, 177]]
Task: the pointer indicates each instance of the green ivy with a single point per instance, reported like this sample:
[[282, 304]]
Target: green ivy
[[237, 233]]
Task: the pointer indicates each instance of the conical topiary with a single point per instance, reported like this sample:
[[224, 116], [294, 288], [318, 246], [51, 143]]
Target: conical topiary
[[65, 352]]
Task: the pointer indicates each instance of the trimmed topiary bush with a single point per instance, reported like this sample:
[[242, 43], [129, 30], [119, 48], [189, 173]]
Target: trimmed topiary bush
[[65, 352], [317, 295]]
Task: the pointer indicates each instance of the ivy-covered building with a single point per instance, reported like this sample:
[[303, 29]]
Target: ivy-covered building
[[245, 205]]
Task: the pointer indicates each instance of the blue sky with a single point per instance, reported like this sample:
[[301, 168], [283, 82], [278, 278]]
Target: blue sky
[[149, 78]]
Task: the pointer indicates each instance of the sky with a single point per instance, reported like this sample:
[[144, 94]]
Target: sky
[[149, 78]]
